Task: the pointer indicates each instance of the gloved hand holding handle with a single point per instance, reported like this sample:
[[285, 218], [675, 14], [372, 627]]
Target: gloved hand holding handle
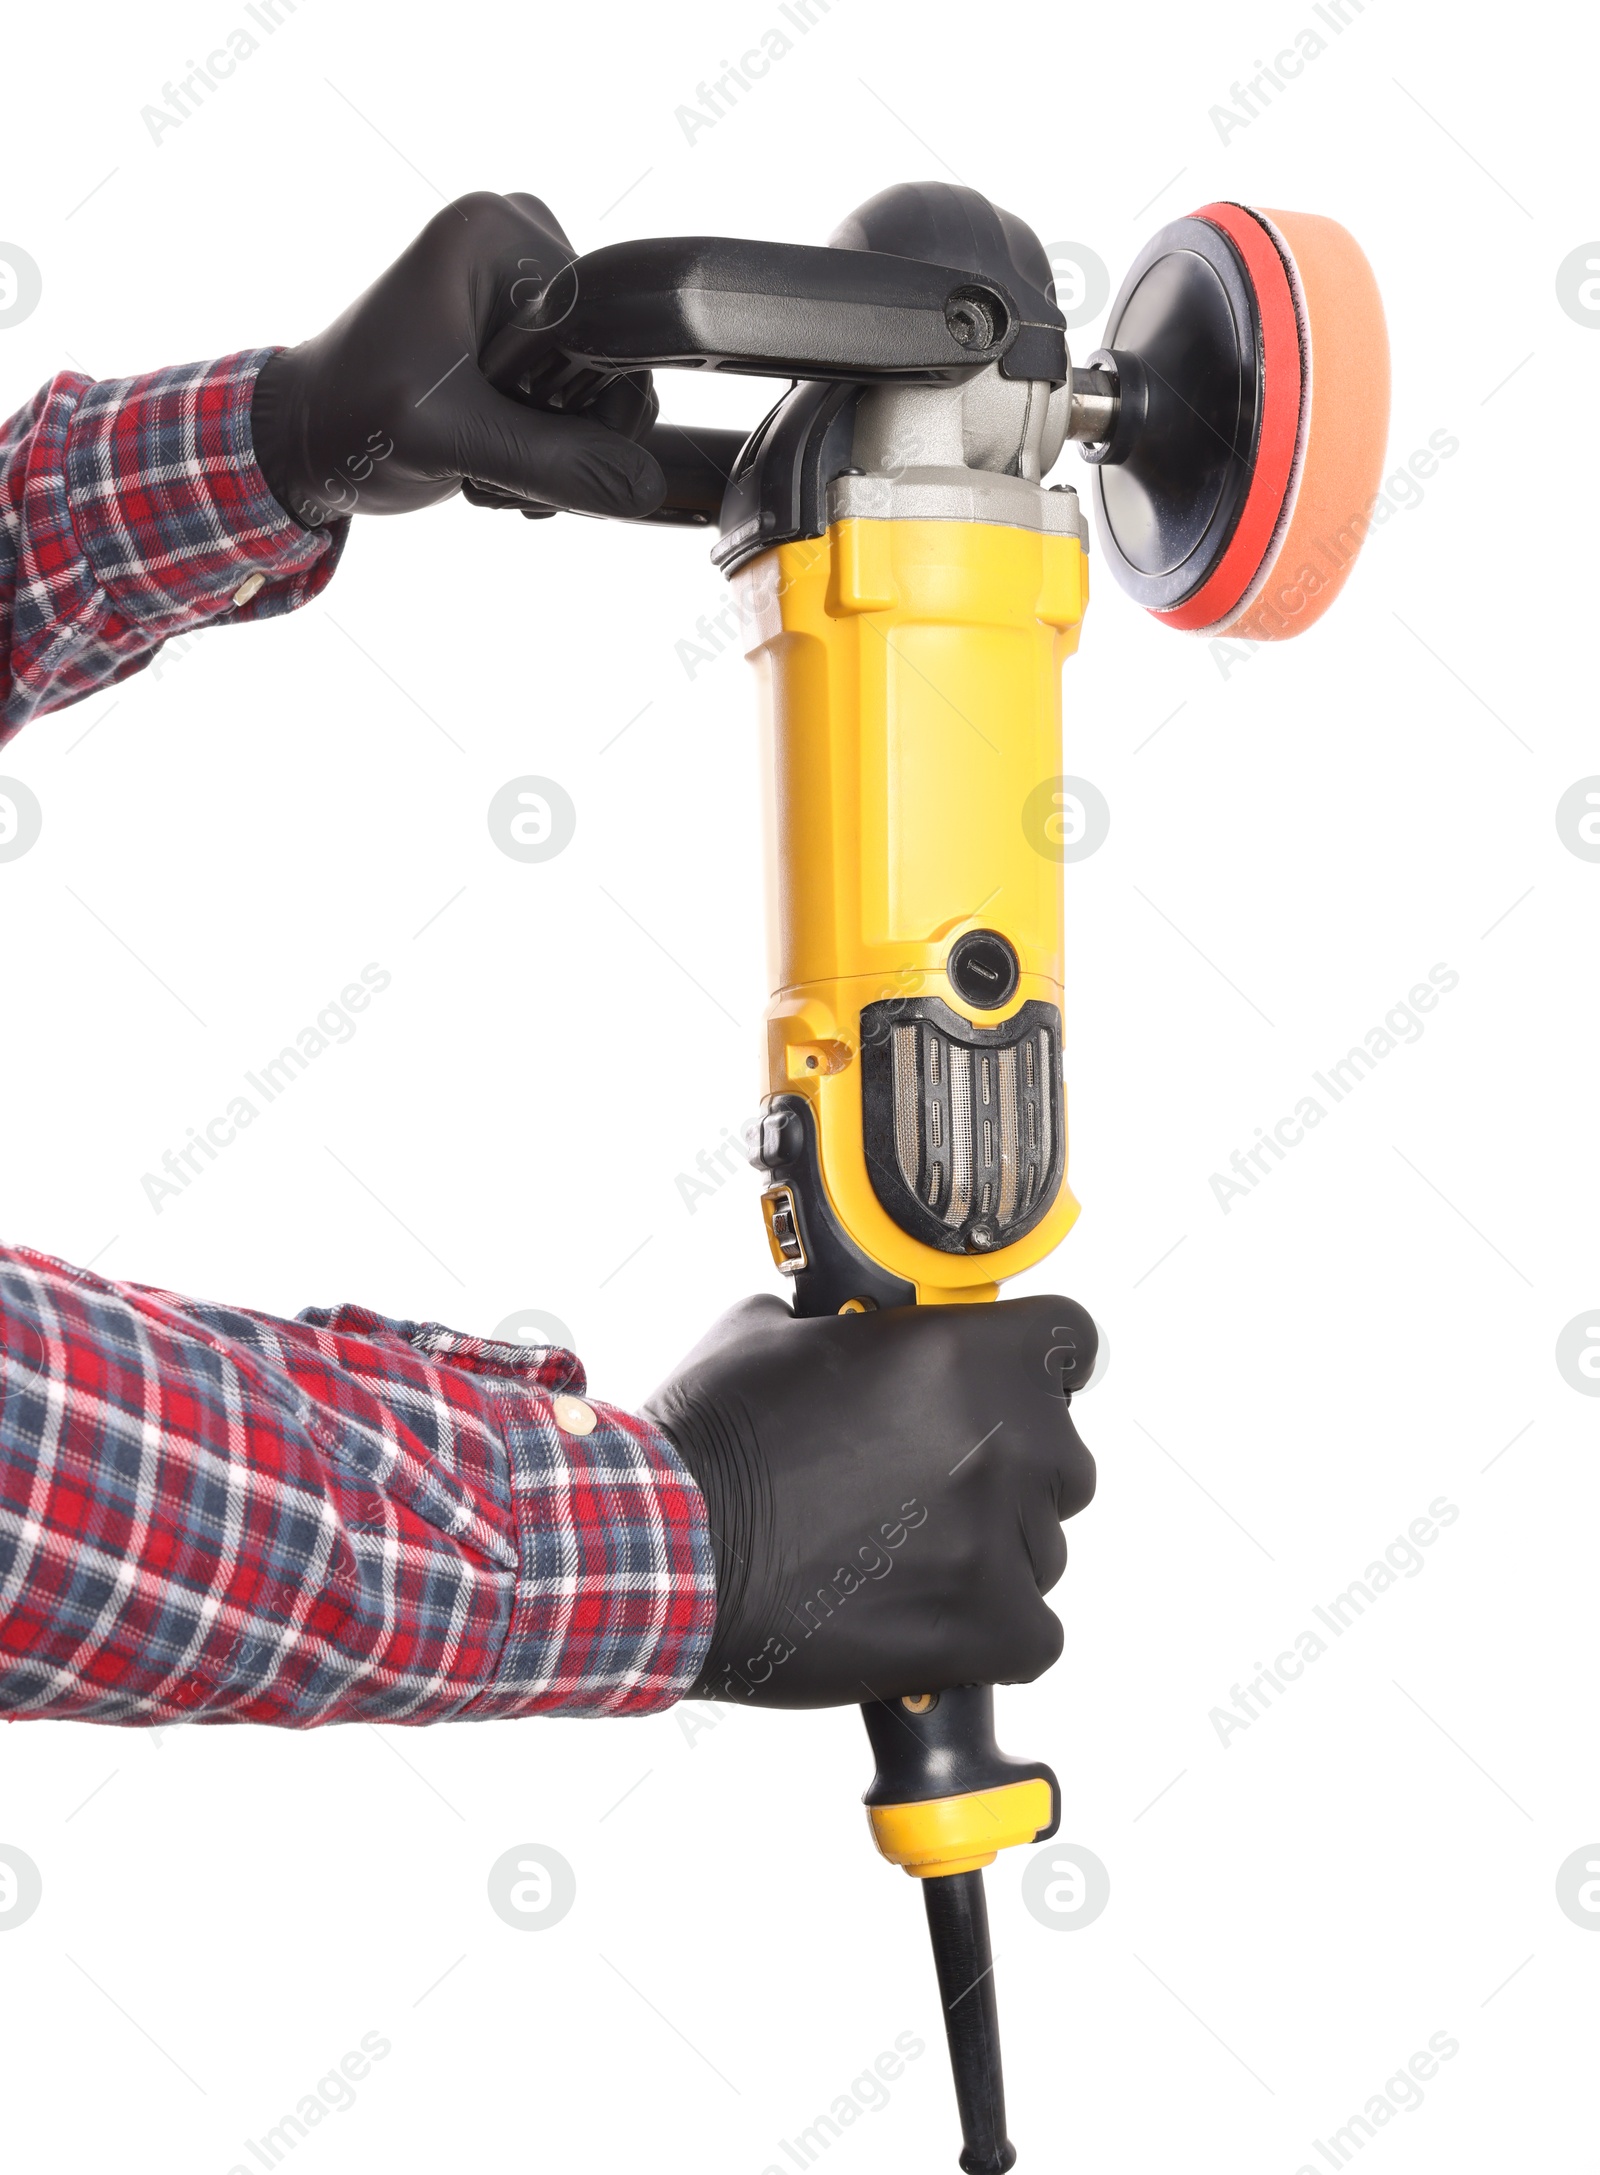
[[388, 410], [885, 1493]]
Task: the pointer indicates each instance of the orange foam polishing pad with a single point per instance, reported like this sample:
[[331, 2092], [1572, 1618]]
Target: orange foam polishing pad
[[1342, 434]]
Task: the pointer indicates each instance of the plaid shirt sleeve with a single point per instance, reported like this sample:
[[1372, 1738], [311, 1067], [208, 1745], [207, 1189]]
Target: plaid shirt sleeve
[[210, 1515], [130, 511]]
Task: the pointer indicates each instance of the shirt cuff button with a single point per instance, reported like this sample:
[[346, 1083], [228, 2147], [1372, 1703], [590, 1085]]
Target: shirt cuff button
[[251, 586], [573, 1416]]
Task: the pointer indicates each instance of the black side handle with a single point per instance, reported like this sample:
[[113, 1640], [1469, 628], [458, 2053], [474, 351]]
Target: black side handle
[[764, 309]]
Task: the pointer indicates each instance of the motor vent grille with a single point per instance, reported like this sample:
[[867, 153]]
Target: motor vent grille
[[963, 1125]]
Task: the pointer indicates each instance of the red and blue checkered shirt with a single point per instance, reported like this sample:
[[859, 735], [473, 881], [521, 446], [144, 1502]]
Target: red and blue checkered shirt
[[208, 1514], [131, 511]]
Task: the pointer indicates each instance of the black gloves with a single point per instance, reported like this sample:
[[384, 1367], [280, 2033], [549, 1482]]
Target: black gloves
[[387, 410], [885, 1493]]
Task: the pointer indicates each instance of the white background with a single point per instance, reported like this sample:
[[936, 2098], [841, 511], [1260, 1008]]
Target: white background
[[1293, 1384]]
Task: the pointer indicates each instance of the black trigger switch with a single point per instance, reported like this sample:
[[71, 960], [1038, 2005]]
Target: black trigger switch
[[775, 1139]]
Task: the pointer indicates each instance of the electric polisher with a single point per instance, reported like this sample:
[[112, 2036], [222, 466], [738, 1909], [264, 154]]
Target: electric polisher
[[909, 586]]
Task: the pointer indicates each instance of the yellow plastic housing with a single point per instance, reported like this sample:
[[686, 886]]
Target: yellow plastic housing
[[911, 704], [945, 1835]]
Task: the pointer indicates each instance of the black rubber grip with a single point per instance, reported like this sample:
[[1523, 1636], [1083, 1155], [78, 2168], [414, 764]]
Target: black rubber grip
[[947, 1751]]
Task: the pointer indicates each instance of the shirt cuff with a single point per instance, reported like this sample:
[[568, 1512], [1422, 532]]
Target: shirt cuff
[[616, 1586], [614, 1597], [170, 508]]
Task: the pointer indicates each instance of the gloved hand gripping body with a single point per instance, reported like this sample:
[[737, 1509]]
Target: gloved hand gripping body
[[885, 1493]]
